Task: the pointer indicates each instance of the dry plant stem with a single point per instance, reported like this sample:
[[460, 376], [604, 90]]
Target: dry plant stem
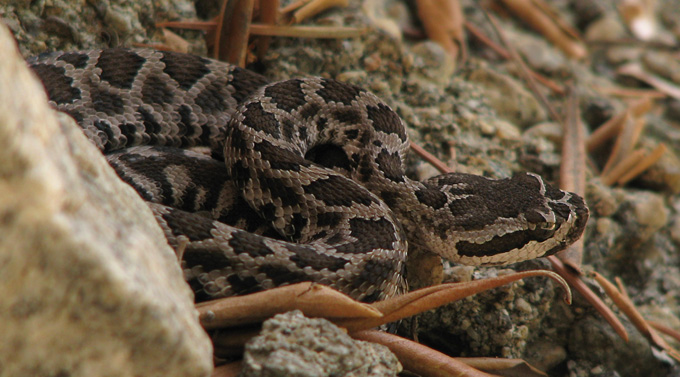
[[231, 39], [537, 19], [228, 370], [313, 300], [331, 32], [623, 167], [636, 70], [428, 298], [643, 164], [443, 23], [524, 70], [607, 130], [613, 126], [625, 142], [559, 21], [504, 367], [420, 359], [573, 168], [269, 13], [665, 330], [575, 281], [231, 342], [427, 156], [623, 302], [320, 32], [191, 25], [474, 30]]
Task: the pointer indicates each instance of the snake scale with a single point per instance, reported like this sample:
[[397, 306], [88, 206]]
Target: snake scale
[[265, 184]]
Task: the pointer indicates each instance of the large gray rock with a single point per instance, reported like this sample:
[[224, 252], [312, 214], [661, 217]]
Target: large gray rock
[[291, 345], [88, 285]]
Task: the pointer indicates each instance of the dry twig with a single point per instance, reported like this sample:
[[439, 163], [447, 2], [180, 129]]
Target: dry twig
[[524, 70], [623, 302], [533, 12], [573, 168], [477, 33]]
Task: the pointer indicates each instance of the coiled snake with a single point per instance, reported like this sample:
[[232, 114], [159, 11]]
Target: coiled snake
[[311, 186]]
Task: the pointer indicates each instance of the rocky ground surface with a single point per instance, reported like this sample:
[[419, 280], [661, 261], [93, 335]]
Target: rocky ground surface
[[479, 118]]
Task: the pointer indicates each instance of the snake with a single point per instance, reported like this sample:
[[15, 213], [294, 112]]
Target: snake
[[262, 184]]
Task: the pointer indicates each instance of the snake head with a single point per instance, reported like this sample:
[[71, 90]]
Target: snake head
[[482, 221]]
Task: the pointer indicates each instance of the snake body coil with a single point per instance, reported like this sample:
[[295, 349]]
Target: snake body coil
[[311, 186]]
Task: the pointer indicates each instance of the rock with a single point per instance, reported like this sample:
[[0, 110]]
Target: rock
[[293, 345], [88, 283]]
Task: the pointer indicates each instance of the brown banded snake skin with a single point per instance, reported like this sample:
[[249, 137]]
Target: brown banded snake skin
[[299, 180]]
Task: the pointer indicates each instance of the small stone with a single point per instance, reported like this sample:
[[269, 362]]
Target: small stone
[[605, 29], [523, 305], [549, 130], [292, 345], [650, 213], [432, 63]]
